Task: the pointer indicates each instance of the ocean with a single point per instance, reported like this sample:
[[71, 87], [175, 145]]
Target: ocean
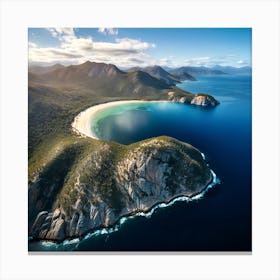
[[221, 220]]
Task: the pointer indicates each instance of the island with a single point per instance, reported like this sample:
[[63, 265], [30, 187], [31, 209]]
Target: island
[[81, 184]]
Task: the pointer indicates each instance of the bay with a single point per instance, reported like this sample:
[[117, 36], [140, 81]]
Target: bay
[[221, 221]]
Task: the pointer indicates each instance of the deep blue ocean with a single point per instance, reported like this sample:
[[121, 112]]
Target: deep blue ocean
[[221, 221]]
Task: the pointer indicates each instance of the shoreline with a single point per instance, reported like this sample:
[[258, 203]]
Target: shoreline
[[82, 122], [122, 219], [82, 126]]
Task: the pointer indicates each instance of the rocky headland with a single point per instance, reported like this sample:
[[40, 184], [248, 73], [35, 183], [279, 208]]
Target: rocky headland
[[201, 99], [115, 181]]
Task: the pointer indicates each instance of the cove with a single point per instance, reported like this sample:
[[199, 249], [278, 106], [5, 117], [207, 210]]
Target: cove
[[132, 122]]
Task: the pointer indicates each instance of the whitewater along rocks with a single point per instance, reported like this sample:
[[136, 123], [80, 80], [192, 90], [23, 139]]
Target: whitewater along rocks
[[113, 181]]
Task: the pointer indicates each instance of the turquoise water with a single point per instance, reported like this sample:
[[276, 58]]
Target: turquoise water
[[133, 122], [221, 221], [103, 132]]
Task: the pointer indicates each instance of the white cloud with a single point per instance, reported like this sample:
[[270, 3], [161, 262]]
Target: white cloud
[[53, 32], [198, 61], [49, 55], [32, 45], [124, 52], [119, 47], [56, 32], [72, 43], [108, 31], [224, 60], [123, 45]]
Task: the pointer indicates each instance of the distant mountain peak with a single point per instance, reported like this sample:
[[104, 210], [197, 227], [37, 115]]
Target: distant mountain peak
[[58, 65], [159, 73], [87, 63], [38, 70], [195, 71], [155, 67], [233, 70]]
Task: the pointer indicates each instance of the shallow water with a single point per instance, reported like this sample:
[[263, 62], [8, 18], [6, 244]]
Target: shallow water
[[221, 221]]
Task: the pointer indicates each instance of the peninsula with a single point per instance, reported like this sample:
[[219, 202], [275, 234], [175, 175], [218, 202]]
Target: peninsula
[[112, 181]]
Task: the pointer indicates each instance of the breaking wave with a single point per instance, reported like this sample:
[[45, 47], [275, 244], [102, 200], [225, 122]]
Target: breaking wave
[[73, 243]]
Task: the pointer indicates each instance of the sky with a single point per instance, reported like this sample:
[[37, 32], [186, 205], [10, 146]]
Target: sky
[[129, 47]]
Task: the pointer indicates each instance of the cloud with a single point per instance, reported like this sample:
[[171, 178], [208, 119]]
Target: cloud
[[119, 47], [57, 32], [198, 61], [49, 55], [224, 60], [63, 54], [73, 43], [32, 45], [164, 62], [122, 46], [122, 52], [108, 31], [140, 59]]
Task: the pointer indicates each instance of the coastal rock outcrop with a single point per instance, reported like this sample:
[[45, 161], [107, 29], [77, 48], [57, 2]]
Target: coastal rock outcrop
[[204, 100], [113, 181]]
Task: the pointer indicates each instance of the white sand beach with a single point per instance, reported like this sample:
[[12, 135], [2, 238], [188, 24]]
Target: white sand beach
[[82, 122]]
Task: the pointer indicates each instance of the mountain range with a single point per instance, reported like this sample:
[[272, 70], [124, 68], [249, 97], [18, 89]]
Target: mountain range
[[98, 78], [195, 71], [94, 75], [161, 74], [233, 70], [54, 89], [215, 70], [37, 69]]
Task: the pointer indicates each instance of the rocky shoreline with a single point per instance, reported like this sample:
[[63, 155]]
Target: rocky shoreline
[[145, 174], [122, 219], [199, 99]]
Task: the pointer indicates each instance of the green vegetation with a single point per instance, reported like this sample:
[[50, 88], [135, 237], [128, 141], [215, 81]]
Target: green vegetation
[[59, 157], [95, 166], [178, 93]]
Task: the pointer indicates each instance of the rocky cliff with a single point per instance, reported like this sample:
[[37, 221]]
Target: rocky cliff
[[110, 181], [204, 100]]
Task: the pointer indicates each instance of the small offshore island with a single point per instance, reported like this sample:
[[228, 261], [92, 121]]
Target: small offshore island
[[86, 183]]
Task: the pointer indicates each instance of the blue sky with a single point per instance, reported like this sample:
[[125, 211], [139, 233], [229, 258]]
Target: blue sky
[[128, 47]]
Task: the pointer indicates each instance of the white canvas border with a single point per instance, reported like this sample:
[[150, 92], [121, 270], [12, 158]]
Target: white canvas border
[[262, 16]]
